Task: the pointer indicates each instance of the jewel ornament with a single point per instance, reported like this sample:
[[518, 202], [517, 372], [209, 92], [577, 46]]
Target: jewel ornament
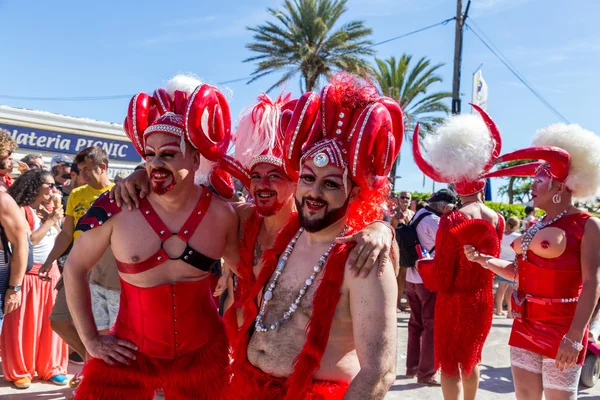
[[259, 326], [321, 160]]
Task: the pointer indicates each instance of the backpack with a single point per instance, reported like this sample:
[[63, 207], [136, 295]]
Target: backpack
[[408, 240]]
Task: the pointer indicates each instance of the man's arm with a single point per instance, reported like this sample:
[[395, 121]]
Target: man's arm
[[15, 225], [86, 253], [231, 255], [373, 309]]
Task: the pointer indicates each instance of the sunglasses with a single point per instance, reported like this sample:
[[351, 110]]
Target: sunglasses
[[50, 185], [405, 198]]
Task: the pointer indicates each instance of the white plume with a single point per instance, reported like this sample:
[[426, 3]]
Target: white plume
[[256, 131], [188, 83], [182, 82], [584, 148], [460, 147]]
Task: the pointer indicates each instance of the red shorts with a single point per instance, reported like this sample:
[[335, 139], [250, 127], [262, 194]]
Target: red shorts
[[201, 374], [249, 382]]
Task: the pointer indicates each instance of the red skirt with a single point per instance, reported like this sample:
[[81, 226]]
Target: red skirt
[[201, 374], [250, 382]]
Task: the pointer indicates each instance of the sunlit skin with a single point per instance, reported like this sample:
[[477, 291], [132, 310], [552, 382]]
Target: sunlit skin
[[271, 189], [404, 200], [543, 189], [47, 190], [6, 161], [321, 194], [159, 156], [91, 174]]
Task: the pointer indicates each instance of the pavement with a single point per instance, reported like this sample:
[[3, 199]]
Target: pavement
[[496, 381]]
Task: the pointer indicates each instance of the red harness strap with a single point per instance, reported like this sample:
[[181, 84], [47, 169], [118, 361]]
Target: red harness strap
[[159, 227]]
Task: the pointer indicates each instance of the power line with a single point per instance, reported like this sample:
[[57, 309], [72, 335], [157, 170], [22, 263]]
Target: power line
[[444, 22], [125, 96], [514, 71]]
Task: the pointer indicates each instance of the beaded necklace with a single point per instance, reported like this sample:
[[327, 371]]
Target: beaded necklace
[[540, 224], [260, 327]]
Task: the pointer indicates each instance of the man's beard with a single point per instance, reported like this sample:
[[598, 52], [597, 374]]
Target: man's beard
[[159, 187], [330, 217], [268, 211]]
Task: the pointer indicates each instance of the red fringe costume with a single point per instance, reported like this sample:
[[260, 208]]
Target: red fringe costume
[[465, 303]]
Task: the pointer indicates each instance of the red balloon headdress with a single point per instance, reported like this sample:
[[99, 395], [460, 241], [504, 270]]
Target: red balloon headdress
[[463, 186], [199, 117], [350, 126]]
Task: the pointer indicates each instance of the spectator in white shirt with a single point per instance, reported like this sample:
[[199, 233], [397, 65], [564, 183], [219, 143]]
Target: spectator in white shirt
[[419, 358]]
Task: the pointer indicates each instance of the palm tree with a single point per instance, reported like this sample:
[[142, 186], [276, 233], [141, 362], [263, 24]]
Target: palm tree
[[303, 40], [409, 86]]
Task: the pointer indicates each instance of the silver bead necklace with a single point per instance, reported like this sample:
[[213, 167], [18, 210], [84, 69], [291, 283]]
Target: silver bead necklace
[[259, 326], [540, 224]]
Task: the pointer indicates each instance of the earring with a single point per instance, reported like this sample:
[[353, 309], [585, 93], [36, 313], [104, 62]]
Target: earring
[[556, 198]]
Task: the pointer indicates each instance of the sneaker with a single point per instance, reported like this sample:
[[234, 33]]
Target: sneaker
[[60, 380], [22, 383], [75, 358]]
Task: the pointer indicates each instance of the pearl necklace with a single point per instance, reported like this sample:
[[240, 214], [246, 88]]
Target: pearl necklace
[[540, 224], [280, 267]]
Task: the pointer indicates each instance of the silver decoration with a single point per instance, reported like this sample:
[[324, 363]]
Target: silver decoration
[[268, 296], [165, 129], [539, 225], [321, 160], [362, 130], [297, 129]]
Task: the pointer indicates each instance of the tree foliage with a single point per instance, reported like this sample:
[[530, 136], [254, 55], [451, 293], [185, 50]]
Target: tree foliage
[[307, 38]]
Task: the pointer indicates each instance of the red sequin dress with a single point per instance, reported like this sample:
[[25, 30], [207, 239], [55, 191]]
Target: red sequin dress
[[545, 303], [465, 302]]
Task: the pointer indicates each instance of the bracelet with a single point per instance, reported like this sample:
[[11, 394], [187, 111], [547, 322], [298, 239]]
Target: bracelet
[[575, 344]]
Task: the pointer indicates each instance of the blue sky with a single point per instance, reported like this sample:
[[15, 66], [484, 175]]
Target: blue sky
[[75, 48]]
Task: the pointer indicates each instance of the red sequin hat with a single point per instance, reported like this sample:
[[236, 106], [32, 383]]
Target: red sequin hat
[[349, 126], [201, 118]]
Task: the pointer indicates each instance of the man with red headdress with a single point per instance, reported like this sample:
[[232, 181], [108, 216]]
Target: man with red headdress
[[259, 157], [168, 321], [320, 332], [459, 152]]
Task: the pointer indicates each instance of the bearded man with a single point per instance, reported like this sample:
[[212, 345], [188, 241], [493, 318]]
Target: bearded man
[[321, 332], [168, 321]]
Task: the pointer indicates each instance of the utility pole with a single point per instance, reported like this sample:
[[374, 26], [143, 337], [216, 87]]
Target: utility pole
[[458, 41]]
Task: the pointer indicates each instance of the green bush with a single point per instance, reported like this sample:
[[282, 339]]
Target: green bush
[[509, 210]]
